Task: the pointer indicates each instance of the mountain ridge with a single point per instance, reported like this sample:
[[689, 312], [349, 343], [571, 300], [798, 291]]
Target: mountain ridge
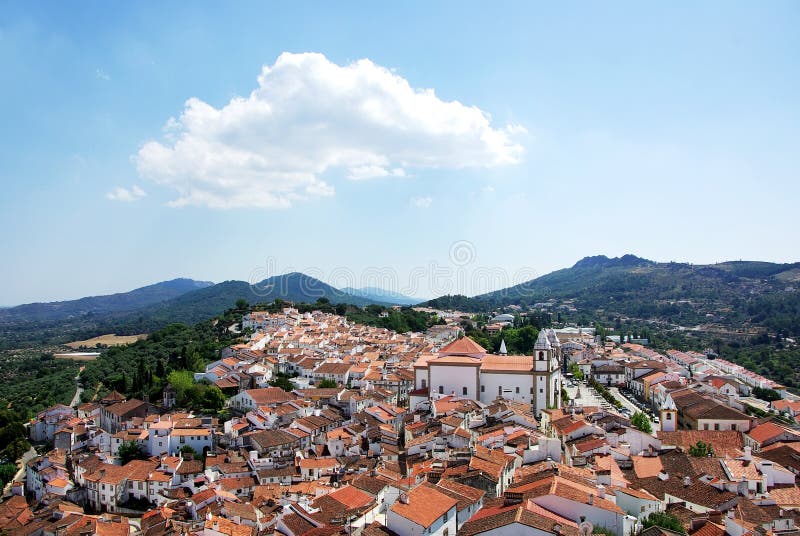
[[737, 294], [381, 295], [189, 307], [116, 302]]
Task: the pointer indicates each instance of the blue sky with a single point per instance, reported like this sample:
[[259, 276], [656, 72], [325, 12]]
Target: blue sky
[[668, 131]]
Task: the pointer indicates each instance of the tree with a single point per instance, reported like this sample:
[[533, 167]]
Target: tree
[[665, 521], [131, 450], [701, 450], [770, 395], [213, 398], [186, 449], [241, 304], [325, 384], [181, 381], [14, 450], [640, 421], [7, 472], [576, 371], [283, 382]]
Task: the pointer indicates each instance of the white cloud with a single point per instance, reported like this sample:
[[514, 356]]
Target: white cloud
[[421, 202], [102, 75], [308, 116], [127, 195], [488, 189]]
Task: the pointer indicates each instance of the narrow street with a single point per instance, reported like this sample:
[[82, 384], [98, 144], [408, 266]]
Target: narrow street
[[78, 389], [23, 462]]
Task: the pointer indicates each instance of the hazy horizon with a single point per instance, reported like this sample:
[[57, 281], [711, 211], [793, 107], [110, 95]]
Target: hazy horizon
[[370, 283]]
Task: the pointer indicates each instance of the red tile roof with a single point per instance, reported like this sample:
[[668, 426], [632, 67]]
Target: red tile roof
[[425, 505], [463, 346]]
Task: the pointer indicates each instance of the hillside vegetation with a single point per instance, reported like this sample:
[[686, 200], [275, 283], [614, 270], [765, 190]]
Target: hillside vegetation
[[17, 330], [738, 295]]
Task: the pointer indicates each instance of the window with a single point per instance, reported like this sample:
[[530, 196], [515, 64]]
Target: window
[[541, 390], [499, 389], [441, 389], [483, 388], [464, 391], [517, 390], [716, 426], [541, 356], [531, 390], [733, 426], [424, 384], [669, 416]]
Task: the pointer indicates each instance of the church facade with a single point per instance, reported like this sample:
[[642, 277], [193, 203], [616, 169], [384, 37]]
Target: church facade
[[464, 369]]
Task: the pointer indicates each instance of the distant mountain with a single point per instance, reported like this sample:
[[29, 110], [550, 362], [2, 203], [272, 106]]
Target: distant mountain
[[102, 305], [737, 293], [380, 295], [210, 301], [150, 308]]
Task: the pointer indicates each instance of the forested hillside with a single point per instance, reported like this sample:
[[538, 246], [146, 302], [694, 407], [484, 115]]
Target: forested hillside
[[735, 294]]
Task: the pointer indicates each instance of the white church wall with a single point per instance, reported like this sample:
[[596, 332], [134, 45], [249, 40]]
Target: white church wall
[[453, 379]]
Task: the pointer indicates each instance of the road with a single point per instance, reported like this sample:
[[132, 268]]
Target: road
[[625, 402], [23, 462], [78, 390]]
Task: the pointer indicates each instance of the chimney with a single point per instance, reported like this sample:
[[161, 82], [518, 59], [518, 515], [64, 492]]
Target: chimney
[[687, 482], [601, 491], [591, 498], [663, 476], [748, 454]]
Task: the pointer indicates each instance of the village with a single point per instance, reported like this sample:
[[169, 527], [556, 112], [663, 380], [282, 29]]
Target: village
[[417, 434]]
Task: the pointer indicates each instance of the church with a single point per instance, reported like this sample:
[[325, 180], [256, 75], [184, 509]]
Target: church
[[464, 369]]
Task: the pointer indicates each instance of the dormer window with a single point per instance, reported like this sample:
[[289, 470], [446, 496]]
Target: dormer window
[[541, 356]]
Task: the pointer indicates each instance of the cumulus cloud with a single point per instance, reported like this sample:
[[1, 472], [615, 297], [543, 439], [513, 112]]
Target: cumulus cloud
[[309, 116], [421, 202], [126, 195], [102, 75]]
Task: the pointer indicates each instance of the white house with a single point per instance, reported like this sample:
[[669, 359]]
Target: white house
[[423, 511]]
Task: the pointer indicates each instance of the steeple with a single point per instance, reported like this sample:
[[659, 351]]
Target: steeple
[[503, 350], [542, 341]]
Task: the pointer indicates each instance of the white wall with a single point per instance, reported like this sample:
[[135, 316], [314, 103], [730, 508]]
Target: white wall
[[709, 424], [641, 508], [490, 382], [454, 379], [405, 527]]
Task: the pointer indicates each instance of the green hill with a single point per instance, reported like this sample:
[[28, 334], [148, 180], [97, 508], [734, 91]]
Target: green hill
[[99, 305], [189, 307], [734, 294]]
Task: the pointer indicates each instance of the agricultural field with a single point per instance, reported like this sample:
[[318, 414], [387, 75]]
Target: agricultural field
[[103, 341]]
